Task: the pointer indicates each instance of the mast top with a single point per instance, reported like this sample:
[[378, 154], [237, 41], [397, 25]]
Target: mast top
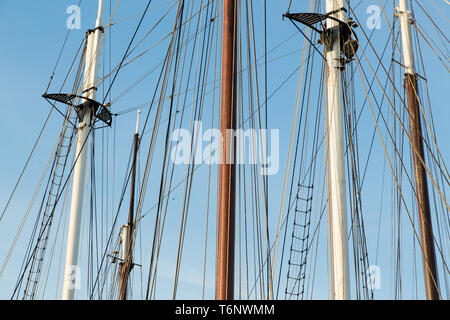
[[99, 21], [137, 121], [340, 27]]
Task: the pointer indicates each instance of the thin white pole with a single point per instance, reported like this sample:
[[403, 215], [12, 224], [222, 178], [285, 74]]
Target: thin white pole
[[408, 55], [336, 173], [137, 121], [72, 273]]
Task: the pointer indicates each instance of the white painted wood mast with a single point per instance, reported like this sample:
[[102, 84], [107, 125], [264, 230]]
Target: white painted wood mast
[[336, 172], [72, 272]]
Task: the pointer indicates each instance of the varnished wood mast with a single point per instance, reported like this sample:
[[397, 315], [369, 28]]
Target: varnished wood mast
[[420, 175], [227, 171]]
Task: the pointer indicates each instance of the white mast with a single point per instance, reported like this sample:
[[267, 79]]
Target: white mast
[[71, 269], [336, 173], [408, 56]]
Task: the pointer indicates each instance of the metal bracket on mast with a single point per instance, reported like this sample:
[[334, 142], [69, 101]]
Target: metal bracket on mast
[[344, 31], [101, 111]]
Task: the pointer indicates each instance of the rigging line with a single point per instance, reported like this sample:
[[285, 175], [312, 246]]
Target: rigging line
[[431, 177], [289, 6], [306, 223], [41, 289], [151, 70], [396, 114], [432, 21], [148, 117], [403, 166], [265, 87], [312, 44], [375, 129], [32, 151], [177, 62], [316, 231], [60, 265], [145, 124], [189, 169], [433, 131], [84, 42], [439, 10], [29, 210], [429, 40], [149, 157], [148, 104], [82, 50], [60, 54], [254, 177], [26, 264], [55, 179], [124, 188], [394, 111], [425, 36], [202, 93], [124, 64], [161, 229], [126, 52], [241, 170], [311, 174], [429, 100], [430, 131], [294, 170], [249, 66], [26, 165], [391, 31], [138, 14], [209, 171], [295, 164], [270, 96], [357, 230], [359, 3], [266, 178], [252, 45], [163, 38], [25, 216], [417, 25], [289, 158], [46, 224], [397, 182]]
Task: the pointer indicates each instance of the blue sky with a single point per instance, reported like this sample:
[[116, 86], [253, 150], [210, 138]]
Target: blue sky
[[32, 34]]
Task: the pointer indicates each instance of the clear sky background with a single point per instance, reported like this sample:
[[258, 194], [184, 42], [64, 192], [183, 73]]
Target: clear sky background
[[32, 34]]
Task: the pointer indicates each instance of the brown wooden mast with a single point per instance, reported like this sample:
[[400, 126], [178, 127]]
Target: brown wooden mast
[[420, 175], [127, 263], [227, 170]]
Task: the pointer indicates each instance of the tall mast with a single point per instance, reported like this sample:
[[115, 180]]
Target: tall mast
[[420, 175], [127, 231], [227, 170], [336, 175], [86, 111]]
